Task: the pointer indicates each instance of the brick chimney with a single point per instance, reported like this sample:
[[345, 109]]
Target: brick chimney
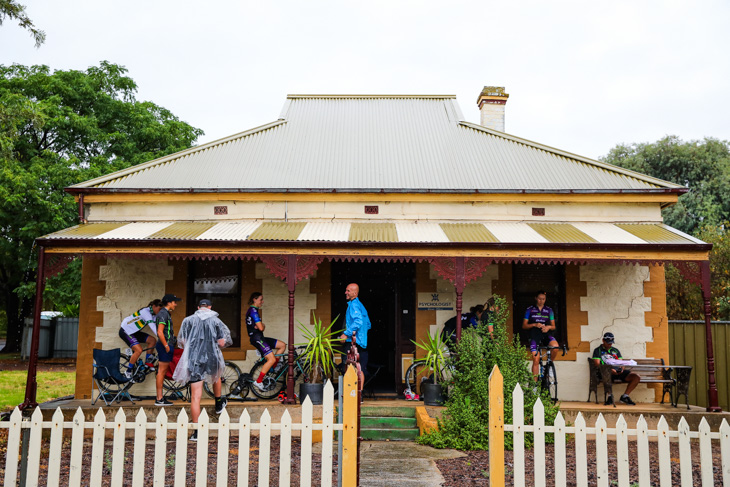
[[491, 104]]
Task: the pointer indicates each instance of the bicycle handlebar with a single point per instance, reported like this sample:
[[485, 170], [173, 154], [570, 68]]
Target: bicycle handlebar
[[563, 347]]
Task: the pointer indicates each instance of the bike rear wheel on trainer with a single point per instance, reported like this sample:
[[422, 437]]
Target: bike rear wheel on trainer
[[273, 383], [228, 379], [416, 374], [550, 381]]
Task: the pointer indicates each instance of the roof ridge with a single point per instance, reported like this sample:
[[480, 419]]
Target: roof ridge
[[370, 96], [175, 155], [570, 155]]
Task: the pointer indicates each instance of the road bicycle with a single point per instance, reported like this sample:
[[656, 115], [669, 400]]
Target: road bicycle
[[172, 389], [548, 378], [418, 374], [236, 384]]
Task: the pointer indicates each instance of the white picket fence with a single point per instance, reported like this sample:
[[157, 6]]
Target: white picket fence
[[181, 429], [621, 434]]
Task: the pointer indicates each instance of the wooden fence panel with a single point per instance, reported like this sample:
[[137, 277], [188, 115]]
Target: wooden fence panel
[[518, 436], [538, 420], [224, 427], [496, 428], [201, 458], [34, 451], [305, 463], [560, 460], [181, 449], [705, 454], [120, 431], [622, 452], [581, 452], [77, 445], [285, 450], [265, 448], [54, 449], [244, 447], [725, 452], [13, 447], [160, 449], [685, 453], [642, 450], [140, 446], [665, 466], [601, 452], [97, 448], [328, 418]]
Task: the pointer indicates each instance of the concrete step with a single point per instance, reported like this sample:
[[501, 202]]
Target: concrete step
[[388, 411], [389, 434], [387, 422]]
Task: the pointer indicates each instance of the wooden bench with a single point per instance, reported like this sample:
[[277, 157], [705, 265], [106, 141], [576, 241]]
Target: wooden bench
[[650, 370]]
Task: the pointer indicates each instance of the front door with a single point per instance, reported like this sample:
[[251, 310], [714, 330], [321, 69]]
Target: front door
[[387, 290]]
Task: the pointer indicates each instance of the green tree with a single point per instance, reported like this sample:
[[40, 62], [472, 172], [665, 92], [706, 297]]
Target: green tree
[[57, 129], [13, 10], [703, 166]]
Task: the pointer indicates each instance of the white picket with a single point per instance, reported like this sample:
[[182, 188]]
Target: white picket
[[13, 447], [305, 463], [120, 431], [55, 448], [244, 446], [181, 449], [201, 458], [665, 466], [285, 450], [685, 453], [34, 449], [642, 450], [581, 452], [77, 448], [560, 461], [705, 454], [97, 448], [158, 475], [725, 452], [328, 418], [538, 420], [264, 449], [140, 443], [601, 452], [224, 426], [622, 451], [518, 436]]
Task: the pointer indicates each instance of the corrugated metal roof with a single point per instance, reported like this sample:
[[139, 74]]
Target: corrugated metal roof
[[372, 143], [484, 232]]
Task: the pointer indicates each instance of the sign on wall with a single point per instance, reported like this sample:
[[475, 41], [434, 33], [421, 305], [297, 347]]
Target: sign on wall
[[435, 301]]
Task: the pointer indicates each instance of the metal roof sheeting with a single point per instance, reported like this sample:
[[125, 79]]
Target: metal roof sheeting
[[373, 143], [405, 232]]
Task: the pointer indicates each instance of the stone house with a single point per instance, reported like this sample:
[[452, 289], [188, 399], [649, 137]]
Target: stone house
[[399, 194]]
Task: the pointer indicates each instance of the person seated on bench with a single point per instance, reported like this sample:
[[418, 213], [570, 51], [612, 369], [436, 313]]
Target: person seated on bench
[[619, 373]]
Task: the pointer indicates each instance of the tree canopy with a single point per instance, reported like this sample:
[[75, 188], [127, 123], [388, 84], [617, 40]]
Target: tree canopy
[[13, 10], [701, 165], [57, 129]]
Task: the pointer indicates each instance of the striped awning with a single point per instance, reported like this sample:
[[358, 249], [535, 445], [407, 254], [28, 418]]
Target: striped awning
[[493, 232]]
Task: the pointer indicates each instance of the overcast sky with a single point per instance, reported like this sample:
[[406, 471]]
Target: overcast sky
[[582, 76]]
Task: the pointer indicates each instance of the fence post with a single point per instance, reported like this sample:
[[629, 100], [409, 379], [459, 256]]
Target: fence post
[[349, 427], [496, 428]]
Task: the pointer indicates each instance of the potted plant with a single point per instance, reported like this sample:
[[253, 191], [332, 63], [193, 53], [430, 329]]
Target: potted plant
[[434, 362], [319, 357]]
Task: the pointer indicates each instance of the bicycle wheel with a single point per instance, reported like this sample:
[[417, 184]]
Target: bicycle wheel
[[228, 379], [550, 381], [273, 384], [416, 374], [139, 373]]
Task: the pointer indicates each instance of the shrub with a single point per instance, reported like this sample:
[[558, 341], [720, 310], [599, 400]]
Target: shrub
[[465, 424]]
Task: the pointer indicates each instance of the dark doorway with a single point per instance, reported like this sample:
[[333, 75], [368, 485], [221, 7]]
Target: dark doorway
[[388, 292], [527, 280]]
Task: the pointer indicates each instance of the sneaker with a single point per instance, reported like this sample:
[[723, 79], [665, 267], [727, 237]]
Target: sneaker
[[150, 367], [194, 436], [128, 373], [220, 405], [279, 367], [609, 401], [627, 400], [260, 386], [162, 402]]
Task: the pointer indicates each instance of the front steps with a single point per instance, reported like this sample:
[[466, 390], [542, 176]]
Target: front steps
[[388, 423]]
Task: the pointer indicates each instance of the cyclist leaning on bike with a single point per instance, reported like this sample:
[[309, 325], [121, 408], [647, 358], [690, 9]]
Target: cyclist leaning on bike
[[266, 346], [139, 328], [540, 322]]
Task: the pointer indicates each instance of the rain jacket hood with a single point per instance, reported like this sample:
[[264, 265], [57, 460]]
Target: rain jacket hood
[[202, 358]]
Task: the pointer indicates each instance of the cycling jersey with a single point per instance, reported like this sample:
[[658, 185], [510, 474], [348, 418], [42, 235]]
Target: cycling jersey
[[138, 320], [252, 318], [164, 318]]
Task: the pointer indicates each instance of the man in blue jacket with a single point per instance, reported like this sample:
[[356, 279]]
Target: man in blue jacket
[[356, 320]]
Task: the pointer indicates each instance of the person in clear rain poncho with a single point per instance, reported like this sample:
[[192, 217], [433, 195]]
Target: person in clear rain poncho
[[202, 336]]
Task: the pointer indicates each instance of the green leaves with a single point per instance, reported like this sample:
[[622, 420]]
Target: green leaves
[[321, 345], [435, 358]]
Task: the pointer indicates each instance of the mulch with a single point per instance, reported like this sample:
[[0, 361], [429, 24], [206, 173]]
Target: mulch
[[473, 469], [191, 462], [44, 365]]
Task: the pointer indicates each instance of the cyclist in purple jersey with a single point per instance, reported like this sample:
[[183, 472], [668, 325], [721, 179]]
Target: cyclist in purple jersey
[[539, 320], [267, 347]]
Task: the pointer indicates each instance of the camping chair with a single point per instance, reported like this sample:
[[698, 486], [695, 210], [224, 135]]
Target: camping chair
[[175, 390], [109, 380]]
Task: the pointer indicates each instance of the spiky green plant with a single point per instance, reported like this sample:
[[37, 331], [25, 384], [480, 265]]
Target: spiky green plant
[[435, 358], [321, 346]]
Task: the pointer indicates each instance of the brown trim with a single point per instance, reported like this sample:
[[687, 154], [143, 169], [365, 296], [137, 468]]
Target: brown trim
[[89, 320], [656, 318], [575, 288]]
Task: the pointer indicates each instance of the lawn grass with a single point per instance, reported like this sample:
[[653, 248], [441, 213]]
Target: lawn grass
[[50, 386]]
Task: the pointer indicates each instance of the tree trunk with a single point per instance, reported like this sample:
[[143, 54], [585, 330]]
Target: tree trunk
[[15, 322]]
